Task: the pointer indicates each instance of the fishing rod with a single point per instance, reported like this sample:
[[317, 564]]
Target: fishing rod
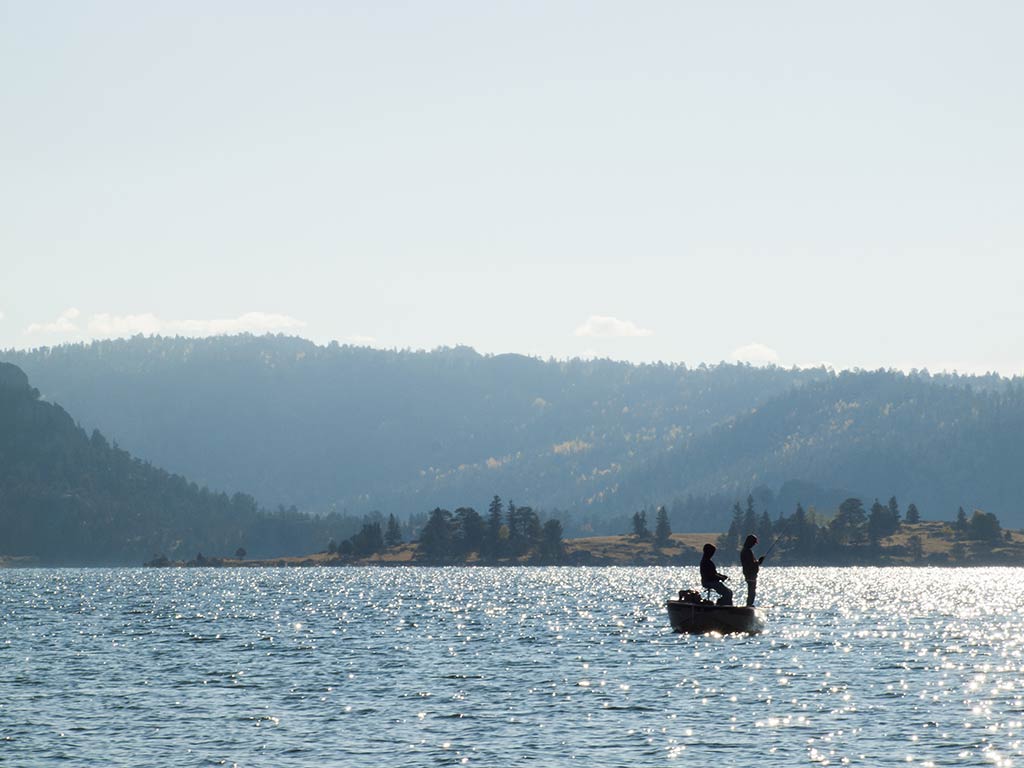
[[782, 533]]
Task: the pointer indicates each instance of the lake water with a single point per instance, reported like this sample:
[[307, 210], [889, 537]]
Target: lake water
[[506, 666]]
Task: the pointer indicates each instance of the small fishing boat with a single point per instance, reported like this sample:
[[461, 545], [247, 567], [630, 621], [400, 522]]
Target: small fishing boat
[[690, 613]]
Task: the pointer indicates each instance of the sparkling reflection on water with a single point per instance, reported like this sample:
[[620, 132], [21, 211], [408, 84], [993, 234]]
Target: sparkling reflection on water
[[506, 666]]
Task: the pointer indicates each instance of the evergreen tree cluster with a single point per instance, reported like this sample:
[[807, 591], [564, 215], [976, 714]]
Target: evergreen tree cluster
[[662, 527], [512, 534], [371, 538], [850, 535]]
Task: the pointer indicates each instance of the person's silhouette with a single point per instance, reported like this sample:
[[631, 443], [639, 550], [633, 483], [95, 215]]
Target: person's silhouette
[[751, 567], [710, 578]]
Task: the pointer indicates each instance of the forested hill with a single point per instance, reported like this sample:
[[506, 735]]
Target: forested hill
[[338, 427], [360, 429], [943, 444], [67, 497]]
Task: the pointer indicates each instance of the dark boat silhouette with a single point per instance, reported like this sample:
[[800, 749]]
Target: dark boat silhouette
[[692, 614]]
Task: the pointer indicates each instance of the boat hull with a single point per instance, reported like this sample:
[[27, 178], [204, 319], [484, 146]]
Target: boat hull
[[701, 618]]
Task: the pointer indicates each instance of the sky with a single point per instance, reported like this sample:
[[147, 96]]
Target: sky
[[792, 182]]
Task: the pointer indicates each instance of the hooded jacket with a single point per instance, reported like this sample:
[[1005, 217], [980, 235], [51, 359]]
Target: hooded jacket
[[748, 561], [708, 573]]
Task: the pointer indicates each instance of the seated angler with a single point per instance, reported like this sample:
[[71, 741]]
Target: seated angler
[[710, 578]]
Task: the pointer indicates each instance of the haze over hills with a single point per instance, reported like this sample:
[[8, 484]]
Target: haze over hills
[[942, 443], [357, 429], [69, 497]]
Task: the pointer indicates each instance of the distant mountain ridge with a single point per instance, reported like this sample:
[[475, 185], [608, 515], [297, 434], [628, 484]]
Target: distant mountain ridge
[[339, 427]]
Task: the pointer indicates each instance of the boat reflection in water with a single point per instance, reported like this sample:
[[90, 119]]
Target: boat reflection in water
[[690, 613]]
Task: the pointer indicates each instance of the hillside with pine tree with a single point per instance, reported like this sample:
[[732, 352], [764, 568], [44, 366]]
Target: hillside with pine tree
[[357, 431], [70, 497]]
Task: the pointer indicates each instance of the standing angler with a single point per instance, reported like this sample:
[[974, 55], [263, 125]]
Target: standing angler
[[751, 566]]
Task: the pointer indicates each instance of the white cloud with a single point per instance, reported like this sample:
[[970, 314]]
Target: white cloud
[[602, 327], [755, 354], [250, 322], [65, 323], [106, 325], [1, 315]]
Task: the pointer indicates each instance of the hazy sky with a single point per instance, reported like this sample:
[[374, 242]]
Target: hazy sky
[[686, 181]]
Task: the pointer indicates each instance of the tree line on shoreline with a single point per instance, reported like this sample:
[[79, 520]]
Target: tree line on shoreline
[[852, 535], [507, 534], [855, 535]]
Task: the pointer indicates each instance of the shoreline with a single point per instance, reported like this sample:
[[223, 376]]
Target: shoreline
[[939, 547], [35, 565]]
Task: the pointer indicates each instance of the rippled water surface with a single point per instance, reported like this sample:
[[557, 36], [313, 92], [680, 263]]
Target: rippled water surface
[[506, 666]]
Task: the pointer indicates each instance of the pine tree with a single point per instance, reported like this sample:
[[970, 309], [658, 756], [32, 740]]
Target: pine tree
[[731, 538], [523, 529], [550, 549], [512, 523], [531, 526], [470, 530], [368, 540], [913, 516], [393, 533], [436, 536], [640, 525], [984, 526], [800, 531], [749, 519], [878, 523], [894, 513], [848, 524], [961, 522], [492, 536], [662, 529]]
